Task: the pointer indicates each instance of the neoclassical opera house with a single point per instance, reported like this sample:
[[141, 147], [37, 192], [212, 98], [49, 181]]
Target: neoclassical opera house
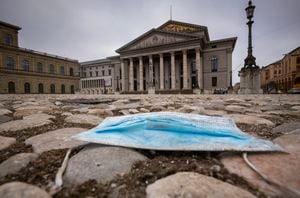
[[176, 57]]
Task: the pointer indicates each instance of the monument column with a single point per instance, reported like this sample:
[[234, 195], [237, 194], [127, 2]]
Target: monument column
[[161, 71], [123, 75], [131, 74], [173, 74], [141, 73], [199, 68], [185, 69]]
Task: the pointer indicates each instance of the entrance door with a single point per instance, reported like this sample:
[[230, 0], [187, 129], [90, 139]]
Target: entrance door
[[194, 82], [181, 82], [135, 85]]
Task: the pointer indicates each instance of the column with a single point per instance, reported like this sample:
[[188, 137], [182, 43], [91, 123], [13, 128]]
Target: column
[[161, 71], [141, 73], [199, 67], [173, 74], [185, 70], [123, 75], [150, 71], [131, 75]]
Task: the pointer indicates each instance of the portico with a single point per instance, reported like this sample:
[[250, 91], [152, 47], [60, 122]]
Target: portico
[[174, 70], [172, 58]]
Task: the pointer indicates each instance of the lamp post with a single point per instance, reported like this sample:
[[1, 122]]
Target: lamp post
[[250, 60], [250, 73]]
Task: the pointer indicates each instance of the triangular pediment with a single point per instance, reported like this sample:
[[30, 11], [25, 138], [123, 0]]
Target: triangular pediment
[[155, 38]]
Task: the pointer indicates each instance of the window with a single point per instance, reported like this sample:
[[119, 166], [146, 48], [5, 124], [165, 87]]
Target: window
[[8, 39], [10, 63], [26, 88], [181, 69], [109, 72], [25, 65], [11, 87], [298, 61], [97, 73], [214, 46], [103, 72], [39, 67], [41, 88], [214, 81], [84, 74], [134, 72], [52, 88], [91, 74], [72, 89], [62, 70], [193, 66], [51, 69], [71, 72], [214, 64], [63, 89]]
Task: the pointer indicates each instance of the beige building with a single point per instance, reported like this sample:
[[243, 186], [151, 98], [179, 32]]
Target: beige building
[[28, 71], [283, 74], [98, 76], [176, 57]]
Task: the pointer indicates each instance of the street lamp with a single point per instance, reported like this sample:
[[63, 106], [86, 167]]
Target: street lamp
[[250, 60]]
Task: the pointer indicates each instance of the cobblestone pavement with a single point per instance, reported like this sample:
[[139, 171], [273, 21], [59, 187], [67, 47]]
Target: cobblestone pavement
[[35, 133]]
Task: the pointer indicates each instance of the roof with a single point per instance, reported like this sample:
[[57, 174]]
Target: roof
[[152, 31], [10, 25], [98, 61], [274, 63], [178, 28], [224, 40], [38, 52], [294, 50]]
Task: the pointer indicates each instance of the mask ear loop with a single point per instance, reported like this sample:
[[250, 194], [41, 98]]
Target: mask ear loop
[[284, 190]]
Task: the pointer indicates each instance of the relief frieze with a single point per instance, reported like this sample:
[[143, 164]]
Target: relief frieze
[[179, 28], [156, 40]]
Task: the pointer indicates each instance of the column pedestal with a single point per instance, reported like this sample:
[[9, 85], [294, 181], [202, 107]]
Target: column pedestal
[[250, 81]]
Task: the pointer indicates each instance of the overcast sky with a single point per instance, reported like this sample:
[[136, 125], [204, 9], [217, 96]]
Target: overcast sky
[[94, 29]]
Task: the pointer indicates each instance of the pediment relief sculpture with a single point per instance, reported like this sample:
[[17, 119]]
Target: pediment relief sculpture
[[156, 40], [179, 28]]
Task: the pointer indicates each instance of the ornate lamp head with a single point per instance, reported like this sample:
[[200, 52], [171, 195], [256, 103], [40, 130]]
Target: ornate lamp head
[[250, 10]]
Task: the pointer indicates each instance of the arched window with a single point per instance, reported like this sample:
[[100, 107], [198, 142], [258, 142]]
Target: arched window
[[26, 88], [51, 69], [11, 87], [62, 70], [71, 72], [41, 88], [10, 63], [63, 89], [25, 65], [52, 88], [39, 67], [72, 89]]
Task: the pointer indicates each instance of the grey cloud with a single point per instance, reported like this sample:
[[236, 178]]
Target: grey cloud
[[93, 29]]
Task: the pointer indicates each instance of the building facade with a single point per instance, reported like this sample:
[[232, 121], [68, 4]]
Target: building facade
[[28, 71], [100, 76], [283, 74], [176, 57]]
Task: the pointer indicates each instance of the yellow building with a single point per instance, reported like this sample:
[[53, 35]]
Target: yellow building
[[283, 74], [28, 71]]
